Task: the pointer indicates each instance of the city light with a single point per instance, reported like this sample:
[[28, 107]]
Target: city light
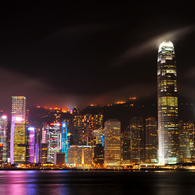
[[120, 102], [132, 98], [4, 117], [19, 119], [31, 128]]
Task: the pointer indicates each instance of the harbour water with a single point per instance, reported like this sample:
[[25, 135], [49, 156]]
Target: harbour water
[[52, 182]]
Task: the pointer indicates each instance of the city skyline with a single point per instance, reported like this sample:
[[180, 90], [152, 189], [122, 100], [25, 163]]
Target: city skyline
[[102, 56], [97, 97]]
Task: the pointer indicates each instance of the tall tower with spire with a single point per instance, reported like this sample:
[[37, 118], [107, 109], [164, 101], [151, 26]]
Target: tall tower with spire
[[167, 104]]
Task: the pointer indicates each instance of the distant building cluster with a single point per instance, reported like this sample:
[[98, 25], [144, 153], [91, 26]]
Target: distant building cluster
[[75, 139]]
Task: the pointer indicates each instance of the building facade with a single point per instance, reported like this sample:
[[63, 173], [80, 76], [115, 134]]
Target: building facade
[[85, 155], [72, 155], [183, 141], [167, 104]]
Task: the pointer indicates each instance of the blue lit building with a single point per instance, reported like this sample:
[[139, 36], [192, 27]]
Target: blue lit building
[[65, 144]]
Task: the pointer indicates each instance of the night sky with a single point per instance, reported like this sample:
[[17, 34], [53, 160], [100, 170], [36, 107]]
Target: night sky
[[74, 53]]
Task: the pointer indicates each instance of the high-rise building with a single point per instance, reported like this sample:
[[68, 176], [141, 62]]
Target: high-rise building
[[191, 128], [79, 155], [151, 140], [85, 124], [31, 145], [59, 159], [43, 153], [98, 136], [64, 141], [84, 155], [72, 155], [18, 130], [51, 134], [98, 154], [137, 140], [3, 139], [184, 141], [167, 104], [126, 145], [112, 142]]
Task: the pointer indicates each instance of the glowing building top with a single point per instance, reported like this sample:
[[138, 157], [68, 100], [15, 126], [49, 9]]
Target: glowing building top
[[19, 107], [166, 46]]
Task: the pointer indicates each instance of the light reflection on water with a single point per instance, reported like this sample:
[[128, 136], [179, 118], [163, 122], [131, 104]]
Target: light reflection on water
[[94, 182]]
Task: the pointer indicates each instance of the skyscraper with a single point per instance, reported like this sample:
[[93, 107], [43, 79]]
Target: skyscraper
[[137, 139], [126, 145], [3, 138], [112, 144], [51, 135], [184, 142], [18, 131], [167, 104], [64, 141], [151, 140], [31, 144]]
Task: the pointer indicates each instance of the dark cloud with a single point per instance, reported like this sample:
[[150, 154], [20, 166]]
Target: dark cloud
[[38, 93], [76, 31], [149, 44], [66, 54]]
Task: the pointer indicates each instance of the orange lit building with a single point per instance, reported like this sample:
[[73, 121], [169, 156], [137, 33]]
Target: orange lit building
[[18, 130], [151, 140], [112, 143]]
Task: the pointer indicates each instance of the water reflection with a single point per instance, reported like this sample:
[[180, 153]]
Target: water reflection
[[86, 182]]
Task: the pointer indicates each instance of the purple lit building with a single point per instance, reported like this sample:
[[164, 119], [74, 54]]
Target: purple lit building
[[31, 144]]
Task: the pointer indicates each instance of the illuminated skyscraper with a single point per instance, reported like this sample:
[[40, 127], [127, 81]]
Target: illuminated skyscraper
[[151, 140], [126, 144], [167, 104], [112, 144], [184, 141], [17, 139], [31, 144], [3, 139], [137, 139], [64, 140], [51, 135]]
